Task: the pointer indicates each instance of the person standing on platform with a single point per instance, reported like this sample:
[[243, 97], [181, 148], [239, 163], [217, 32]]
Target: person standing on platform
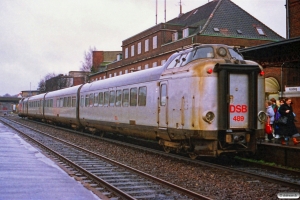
[[277, 126], [271, 115], [289, 129]]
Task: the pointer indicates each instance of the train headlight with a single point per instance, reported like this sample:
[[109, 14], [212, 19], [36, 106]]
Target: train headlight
[[222, 51], [262, 116], [228, 138], [209, 116]]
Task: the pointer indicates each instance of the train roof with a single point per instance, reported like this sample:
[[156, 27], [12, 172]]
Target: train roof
[[63, 92], [143, 76]]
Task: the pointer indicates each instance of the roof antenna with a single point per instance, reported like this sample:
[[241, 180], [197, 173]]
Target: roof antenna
[[156, 13]]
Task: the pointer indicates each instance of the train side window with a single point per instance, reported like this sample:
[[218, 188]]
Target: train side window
[[101, 100], [186, 59], [106, 98], [81, 100], [163, 94], [91, 100], [133, 96], [86, 100], [96, 99], [174, 62], [142, 96], [61, 102], [73, 101], [205, 52], [118, 98], [69, 102], [112, 98], [65, 102], [125, 99], [51, 102]]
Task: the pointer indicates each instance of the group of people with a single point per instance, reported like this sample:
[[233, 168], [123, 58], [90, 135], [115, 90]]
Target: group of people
[[282, 131]]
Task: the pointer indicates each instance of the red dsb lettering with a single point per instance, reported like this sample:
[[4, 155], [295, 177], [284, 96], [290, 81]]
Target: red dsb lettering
[[238, 108]]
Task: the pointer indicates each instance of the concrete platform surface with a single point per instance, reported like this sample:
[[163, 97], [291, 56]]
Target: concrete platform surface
[[25, 173]]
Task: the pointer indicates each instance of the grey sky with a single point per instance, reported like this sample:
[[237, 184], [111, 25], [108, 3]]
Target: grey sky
[[50, 36]]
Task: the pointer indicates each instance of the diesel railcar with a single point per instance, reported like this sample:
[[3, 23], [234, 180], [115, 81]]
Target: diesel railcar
[[205, 101]]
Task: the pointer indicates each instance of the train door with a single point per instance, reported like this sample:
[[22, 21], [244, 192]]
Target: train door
[[238, 101], [163, 105]]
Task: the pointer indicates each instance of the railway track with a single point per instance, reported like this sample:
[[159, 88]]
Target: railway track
[[114, 179], [264, 180]]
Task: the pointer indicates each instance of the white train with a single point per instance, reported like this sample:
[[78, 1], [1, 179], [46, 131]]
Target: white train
[[204, 100]]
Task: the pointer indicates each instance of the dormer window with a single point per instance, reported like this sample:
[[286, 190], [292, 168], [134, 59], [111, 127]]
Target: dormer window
[[260, 31], [175, 36], [185, 32], [239, 31]]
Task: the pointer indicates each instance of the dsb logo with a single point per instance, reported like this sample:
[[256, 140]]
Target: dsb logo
[[238, 108]]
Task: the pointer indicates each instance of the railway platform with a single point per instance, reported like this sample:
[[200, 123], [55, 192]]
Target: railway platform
[[25, 173], [274, 152]]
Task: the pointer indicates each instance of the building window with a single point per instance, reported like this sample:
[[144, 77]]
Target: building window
[[154, 64], [139, 67], [139, 48], [175, 36], [109, 75], [146, 66], [146, 45], [126, 53], [126, 71], [154, 42], [132, 50], [216, 29], [120, 72], [163, 62], [185, 32]]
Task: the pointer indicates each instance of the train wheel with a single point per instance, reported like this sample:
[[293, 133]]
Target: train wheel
[[167, 149], [193, 156]]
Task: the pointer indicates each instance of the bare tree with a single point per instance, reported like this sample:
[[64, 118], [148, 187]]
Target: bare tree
[[42, 83], [87, 64]]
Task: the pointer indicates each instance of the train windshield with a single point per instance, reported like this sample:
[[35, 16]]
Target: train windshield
[[205, 52], [234, 54]]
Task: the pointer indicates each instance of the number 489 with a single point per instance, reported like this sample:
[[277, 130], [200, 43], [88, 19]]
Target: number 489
[[238, 118]]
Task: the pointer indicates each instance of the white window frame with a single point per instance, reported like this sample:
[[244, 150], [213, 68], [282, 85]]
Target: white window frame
[[154, 64], [126, 52], [175, 36], [146, 45], [154, 42], [185, 32], [132, 51], [139, 50], [146, 66]]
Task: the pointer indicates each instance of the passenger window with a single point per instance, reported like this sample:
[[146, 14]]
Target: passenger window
[[86, 100], [133, 96], [73, 101], [142, 96], [82, 101], [101, 100], [119, 98], [106, 98], [65, 103], [96, 99], [91, 100], [163, 94], [51, 102], [125, 98], [69, 102], [112, 98]]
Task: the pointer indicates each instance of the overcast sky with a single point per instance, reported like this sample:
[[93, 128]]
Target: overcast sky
[[38, 37]]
